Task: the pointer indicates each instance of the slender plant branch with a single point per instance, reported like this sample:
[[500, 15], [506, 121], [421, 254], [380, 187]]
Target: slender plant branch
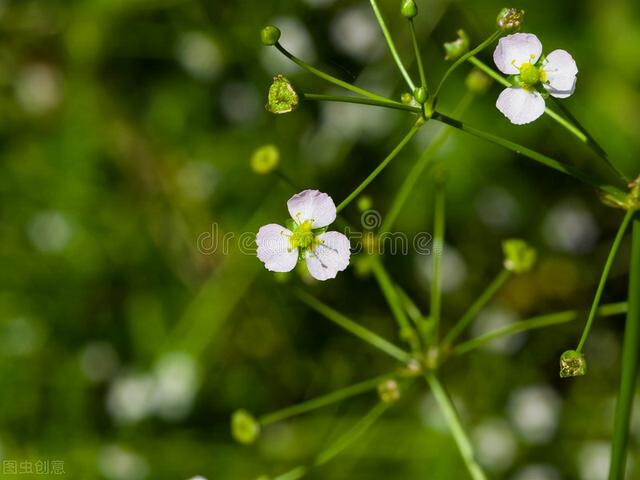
[[450, 414], [534, 323], [603, 278], [361, 101], [325, 400], [382, 165], [492, 38], [356, 329], [409, 306], [329, 78], [630, 356], [392, 46], [436, 264], [477, 306], [416, 49]]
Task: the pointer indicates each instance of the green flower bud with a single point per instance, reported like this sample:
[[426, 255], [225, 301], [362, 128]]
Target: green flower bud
[[365, 203], [458, 47], [519, 257], [409, 8], [477, 81], [406, 98], [572, 364], [244, 427], [509, 19], [420, 95], [282, 97], [389, 391], [265, 159], [269, 35]]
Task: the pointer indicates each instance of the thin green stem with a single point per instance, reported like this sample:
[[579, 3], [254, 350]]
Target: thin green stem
[[416, 49], [356, 329], [492, 38], [382, 165], [538, 157], [534, 323], [390, 294], [342, 443], [436, 264], [409, 306], [361, 101], [630, 356], [325, 400], [329, 78], [603, 278], [410, 181], [450, 414], [477, 306], [392, 46]]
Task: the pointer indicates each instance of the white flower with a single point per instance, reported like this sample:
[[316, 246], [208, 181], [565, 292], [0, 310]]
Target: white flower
[[521, 54], [326, 253]]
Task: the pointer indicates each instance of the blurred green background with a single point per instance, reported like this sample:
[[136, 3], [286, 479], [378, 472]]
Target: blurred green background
[[128, 335]]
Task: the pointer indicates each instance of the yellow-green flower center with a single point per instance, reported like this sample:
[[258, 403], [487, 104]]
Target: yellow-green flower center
[[529, 75], [303, 236]]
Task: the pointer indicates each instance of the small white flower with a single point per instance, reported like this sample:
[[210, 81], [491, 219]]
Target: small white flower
[[521, 54], [326, 253]]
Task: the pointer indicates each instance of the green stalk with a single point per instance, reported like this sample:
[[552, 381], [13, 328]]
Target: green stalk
[[603, 278], [329, 78], [477, 306], [492, 38], [324, 400], [538, 157], [416, 49], [409, 306], [361, 101], [390, 294], [341, 444], [630, 353], [382, 165], [392, 46], [354, 328], [436, 264], [450, 414], [534, 323]]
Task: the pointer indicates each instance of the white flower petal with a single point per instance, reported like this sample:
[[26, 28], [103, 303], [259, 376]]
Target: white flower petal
[[312, 205], [514, 50], [561, 70], [520, 106], [274, 248], [330, 257]]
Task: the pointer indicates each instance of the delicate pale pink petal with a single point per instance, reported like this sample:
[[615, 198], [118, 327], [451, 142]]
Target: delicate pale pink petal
[[561, 70], [520, 106], [514, 50], [274, 248], [312, 205], [330, 257]]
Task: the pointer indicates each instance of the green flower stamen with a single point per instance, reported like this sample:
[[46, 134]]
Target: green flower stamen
[[530, 75], [303, 236]]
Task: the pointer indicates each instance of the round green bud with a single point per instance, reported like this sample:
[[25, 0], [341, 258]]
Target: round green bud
[[282, 97], [244, 427], [420, 94], [406, 98], [477, 81], [365, 203], [409, 9], [389, 391], [458, 47], [509, 19], [572, 364], [265, 159], [519, 257], [269, 35]]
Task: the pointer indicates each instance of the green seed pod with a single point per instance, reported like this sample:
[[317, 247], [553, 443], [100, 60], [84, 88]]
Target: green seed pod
[[458, 47], [409, 9], [269, 35], [406, 98], [519, 257], [282, 97], [265, 159], [477, 81], [244, 427], [389, 391], [572, 364], [420, 95], [509, 19]]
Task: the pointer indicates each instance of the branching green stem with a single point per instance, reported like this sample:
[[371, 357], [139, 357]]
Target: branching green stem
[[362, 101], [416, 49]]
